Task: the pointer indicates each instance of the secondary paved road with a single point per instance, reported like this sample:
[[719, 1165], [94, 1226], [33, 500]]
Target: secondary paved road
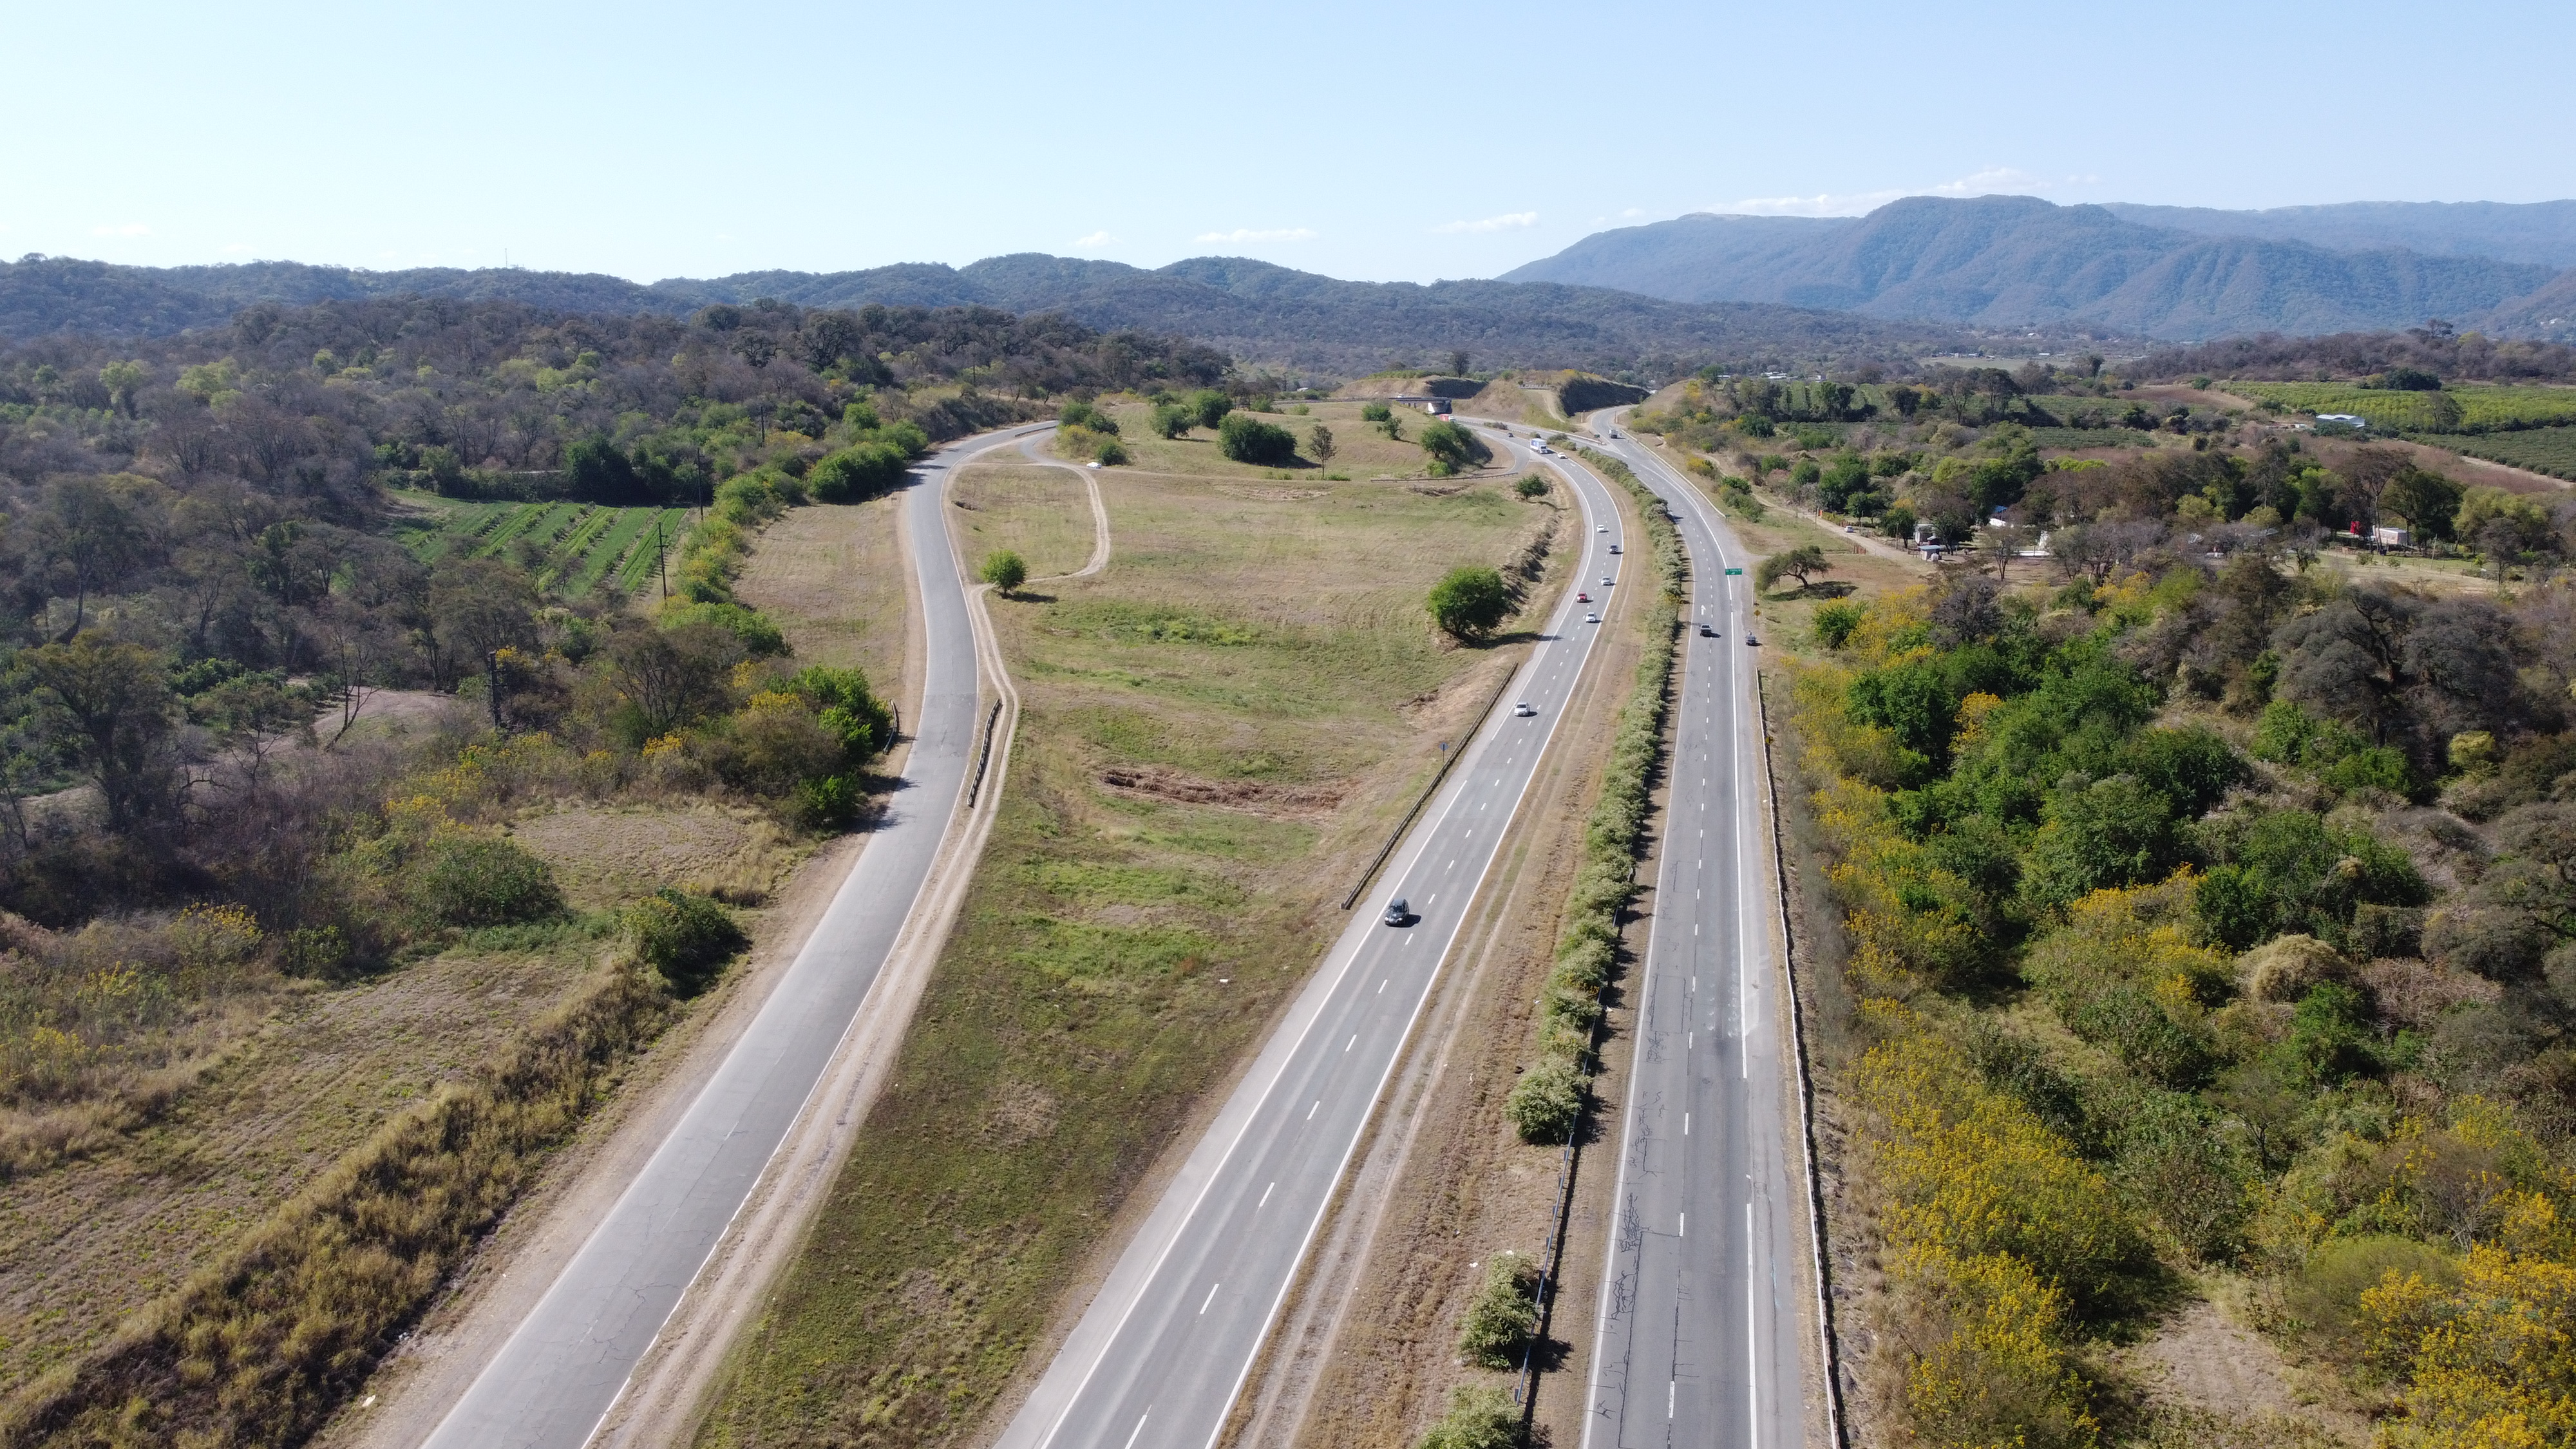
[[558, 1374], [1157, 1360], [1700, 1336]]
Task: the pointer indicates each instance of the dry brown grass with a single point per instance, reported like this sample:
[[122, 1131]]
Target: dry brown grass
[[834, 577], [1042, 513]]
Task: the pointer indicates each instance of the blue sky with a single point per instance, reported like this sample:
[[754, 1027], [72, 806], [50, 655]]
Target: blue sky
[[1378, 142]]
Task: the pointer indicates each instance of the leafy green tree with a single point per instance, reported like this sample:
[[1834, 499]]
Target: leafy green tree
[[1171, 420], [1470, 603], [1004, 570], [862, 470], [1319, 445], [2425, 499], [1453, 449], [1531, 486], [1209, 407], [122, 380], [2113, 832], [1246, 440], [1799, 563], [109, 705], [1376, 412]]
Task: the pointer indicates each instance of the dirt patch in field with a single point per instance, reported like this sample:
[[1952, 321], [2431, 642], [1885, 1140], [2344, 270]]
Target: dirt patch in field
[[1246, 795]]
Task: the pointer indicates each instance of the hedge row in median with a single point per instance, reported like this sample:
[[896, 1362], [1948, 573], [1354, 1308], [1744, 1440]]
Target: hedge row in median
[[1548, 1099]]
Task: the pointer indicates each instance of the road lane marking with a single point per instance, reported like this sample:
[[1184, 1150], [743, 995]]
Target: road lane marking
[[1752, 1359], [1682, 1231], [1354, 1041], [1685, 1124], [1310, 1112], [1381, 987], [1140, 1428], [1203, 1308], [1265, 1197]]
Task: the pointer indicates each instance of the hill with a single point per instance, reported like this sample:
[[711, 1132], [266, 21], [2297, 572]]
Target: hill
[[2541, 232], [1263, 313], [2008, 261]]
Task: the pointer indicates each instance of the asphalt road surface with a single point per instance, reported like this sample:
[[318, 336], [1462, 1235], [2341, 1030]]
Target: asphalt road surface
[[1158, 1358], [1700, 1339], [559, 1373]]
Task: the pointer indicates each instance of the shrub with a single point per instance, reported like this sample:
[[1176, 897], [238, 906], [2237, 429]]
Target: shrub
[[1247, 441], [1503, 1315], [1209, 407], [1376, 412], [859, 471], [1470, 603], [1532, 486], [1835, 622], [1111, 453], [1546, 1101], [1004, 570], [759, 634], [687, 938], [1171, 420], [1084, 415], [1480, 1417], [481, 880]]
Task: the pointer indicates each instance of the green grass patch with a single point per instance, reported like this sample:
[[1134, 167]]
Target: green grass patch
[[578, 547], [2482, 407]]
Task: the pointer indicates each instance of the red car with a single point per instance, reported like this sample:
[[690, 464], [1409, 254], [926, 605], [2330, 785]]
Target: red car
[[1582, 598]]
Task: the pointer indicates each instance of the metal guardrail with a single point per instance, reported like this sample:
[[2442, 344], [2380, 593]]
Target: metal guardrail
[[985, 759]]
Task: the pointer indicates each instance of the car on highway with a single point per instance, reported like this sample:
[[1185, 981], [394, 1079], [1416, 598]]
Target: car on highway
[[1749, 639], [1605, 581], [1592, 618], [1614, 548], [1397, 912], [1581, 597], [1600, 528], [1523, 710], [1708, 631]]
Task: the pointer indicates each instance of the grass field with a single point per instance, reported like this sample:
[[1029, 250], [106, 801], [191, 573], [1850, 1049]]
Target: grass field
[[1360, 449], [2542, 450], [1216, 733], [2483, 408], [571, 548], [1042, 513]]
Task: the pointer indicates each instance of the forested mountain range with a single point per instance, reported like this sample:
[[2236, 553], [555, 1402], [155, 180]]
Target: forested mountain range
[[2004, 261], [2542, 232], [1256, 310]]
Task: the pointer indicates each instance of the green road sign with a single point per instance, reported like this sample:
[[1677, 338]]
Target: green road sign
[[1734, 571]]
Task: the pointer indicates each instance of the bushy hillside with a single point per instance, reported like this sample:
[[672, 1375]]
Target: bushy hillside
[[2540, 232], [1252, 309], [2002, 261]]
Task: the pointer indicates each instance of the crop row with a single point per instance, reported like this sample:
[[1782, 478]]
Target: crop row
[[577, 546], [2479, 409]]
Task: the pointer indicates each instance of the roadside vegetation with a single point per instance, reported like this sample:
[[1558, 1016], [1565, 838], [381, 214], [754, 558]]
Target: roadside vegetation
[[2202, 931], [1215, 735], [370, 803]]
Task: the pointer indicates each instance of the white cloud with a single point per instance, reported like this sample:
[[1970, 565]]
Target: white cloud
[[1987, 182], [1096, 239], [1247, 234], [1508, 221], [131, 228]]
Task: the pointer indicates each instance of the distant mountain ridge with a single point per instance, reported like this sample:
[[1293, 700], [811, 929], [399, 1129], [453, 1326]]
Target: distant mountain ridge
[[1252, 308], [2008, 261]]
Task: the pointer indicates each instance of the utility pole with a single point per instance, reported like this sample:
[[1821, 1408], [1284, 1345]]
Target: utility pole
[[661, 557]]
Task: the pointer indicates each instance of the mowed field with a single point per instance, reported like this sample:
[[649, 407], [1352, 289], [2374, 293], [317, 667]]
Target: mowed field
[[1216, 734], [1361, 449], [571, 548]]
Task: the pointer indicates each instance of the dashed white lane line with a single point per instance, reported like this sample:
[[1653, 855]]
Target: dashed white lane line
[[1265, 1197], [1211, 1298]]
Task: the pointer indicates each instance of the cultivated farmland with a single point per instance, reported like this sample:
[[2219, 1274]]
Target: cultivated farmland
[[2482, 409], [570, 548]]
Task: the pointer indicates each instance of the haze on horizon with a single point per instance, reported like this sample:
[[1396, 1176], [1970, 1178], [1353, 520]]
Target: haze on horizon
[[1344, 140]]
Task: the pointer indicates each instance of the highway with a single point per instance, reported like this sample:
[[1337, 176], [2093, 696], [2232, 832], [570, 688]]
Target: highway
[[564, 1366], [1700, 1339], [1157, 1359]]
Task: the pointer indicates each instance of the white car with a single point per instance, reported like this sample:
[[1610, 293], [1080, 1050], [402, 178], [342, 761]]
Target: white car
[[1600, 528], [1605, 581], [1592, 618], [1523, 709]]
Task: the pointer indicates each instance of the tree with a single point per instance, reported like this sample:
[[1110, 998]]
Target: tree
[[1247, 441], [2000, 544], [122, 380], [1171, 420], [110, 703], [1209, 407], [88, 535], [478, 608], [1319, 443], [1453, 449], [1470, 603], [1799, 563], [1004, 570], [1457, 364]]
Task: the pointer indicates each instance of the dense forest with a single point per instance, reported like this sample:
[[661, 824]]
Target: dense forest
[[204, 601]]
